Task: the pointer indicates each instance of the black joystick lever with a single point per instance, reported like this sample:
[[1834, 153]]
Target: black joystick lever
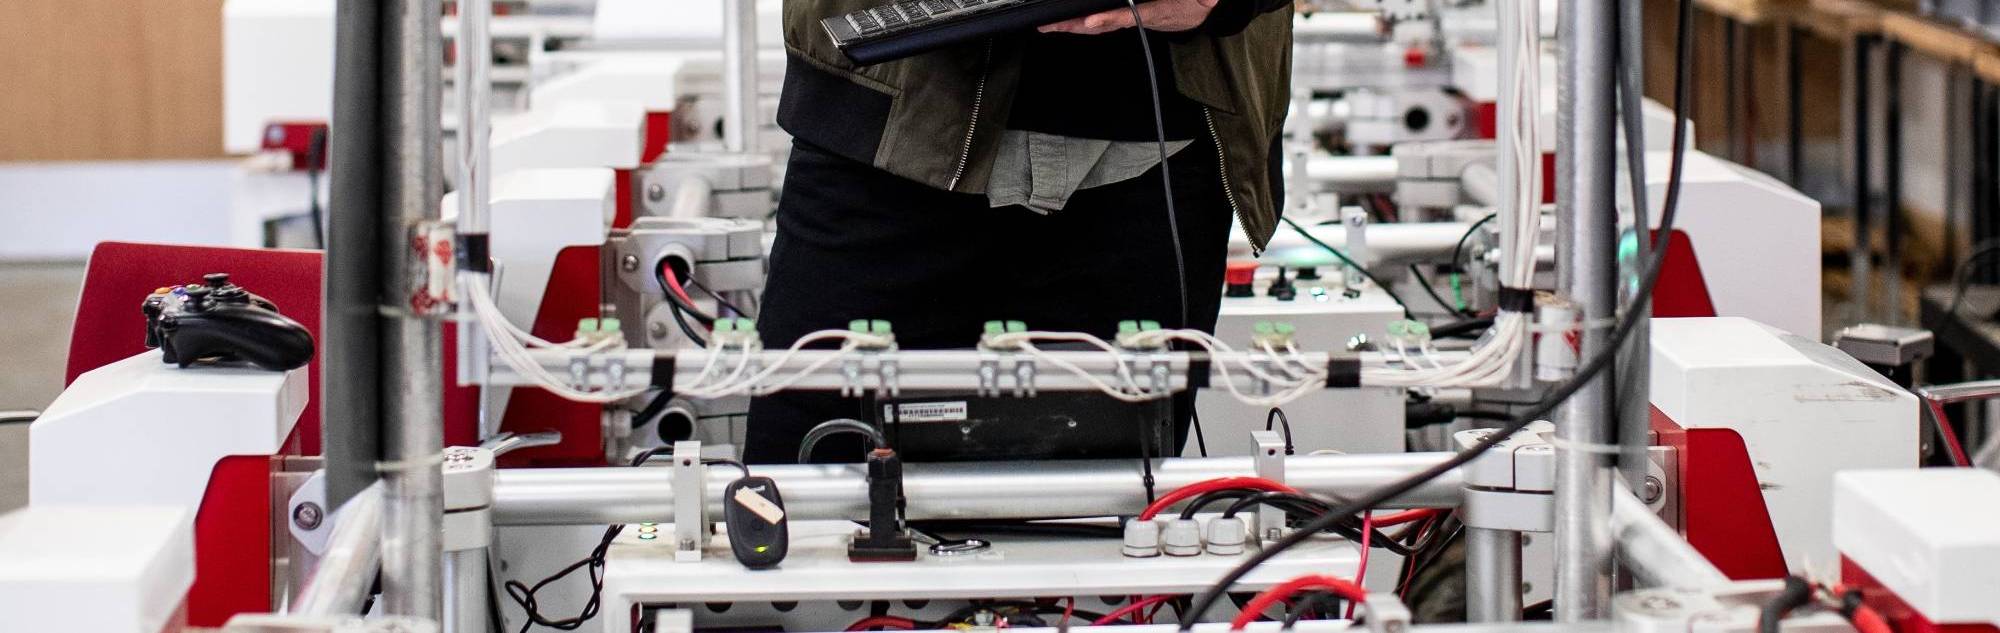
[[884, 539], [219, 321]]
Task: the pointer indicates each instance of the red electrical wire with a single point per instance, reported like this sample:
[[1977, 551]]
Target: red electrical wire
[[1361, 569], [1199, 488], [1408, 516], [1342, 587], [1867, 620], [883, 621], [1069, 609], [1132, 609], [1945, 431], [674, 282]]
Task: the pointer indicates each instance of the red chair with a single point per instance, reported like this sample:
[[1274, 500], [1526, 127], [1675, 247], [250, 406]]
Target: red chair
[[232, 527]]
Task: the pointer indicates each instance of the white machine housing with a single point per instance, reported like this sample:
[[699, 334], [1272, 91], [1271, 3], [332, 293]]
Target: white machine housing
[[1805, 411], [101, 568], [1931, 536]]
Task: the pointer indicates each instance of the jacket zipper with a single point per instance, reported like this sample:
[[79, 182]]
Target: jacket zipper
[[972, 128], [1222, 167]]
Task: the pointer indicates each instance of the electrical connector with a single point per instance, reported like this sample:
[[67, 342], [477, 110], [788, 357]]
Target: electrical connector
[[1142, 539], [1139, 335], [1226, 535], [1181, 537], [735, 332], [991, 336], [874, 327], [1276, 334], [1409, 333]]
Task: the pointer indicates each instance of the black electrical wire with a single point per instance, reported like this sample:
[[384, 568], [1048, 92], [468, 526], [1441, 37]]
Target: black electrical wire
[[1351, 264], [1211, 497], [1797, 593], [1277, 415], [316, 161], [1459, 250], [1194, 418], [680, 319], [1425, 281], [1295, 504], [1315, 602], [719, 301], [1166, 178], [1468, 327], [836, 427], [1584, 375], [681, 309], [1961, 279], [524, 595]]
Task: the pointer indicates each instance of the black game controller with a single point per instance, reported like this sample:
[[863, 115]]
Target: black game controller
[[220, 321]]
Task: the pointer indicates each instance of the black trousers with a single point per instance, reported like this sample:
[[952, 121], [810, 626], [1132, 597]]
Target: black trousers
[[854, 242]]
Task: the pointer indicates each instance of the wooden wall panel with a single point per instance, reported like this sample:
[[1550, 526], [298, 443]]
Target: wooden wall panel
[[110, 79]]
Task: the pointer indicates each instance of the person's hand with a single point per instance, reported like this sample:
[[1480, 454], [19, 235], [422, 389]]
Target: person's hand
[[1159, 15]]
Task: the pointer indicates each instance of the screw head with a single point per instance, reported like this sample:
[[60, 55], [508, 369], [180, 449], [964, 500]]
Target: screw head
[[1659, 604], [656, 193], [657, 330], [628, 263], [1652, 490], [308, 516]]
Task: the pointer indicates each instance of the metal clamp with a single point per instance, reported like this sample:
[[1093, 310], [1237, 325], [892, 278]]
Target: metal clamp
[[1024, 377], [1512, 486], [690, 502], [1270, 462]]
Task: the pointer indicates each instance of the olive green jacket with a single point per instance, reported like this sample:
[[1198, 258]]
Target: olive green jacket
[[936, 118]]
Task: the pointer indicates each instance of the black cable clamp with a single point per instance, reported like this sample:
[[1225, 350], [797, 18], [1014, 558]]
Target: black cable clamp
[[475, 253], [663, 374], [884, 539], [1343, 371], [1197, 373], [1517, 300]]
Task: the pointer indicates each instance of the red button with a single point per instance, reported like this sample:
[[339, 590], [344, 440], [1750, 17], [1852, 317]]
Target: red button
[[1241, 273]]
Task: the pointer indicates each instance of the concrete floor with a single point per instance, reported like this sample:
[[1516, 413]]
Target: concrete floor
[[35, 338]]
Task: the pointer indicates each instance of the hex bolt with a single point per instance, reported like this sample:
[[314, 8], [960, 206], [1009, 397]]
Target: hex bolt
[[656, 193], [628, 263], [308, 516], [657, 330], [1653, 490]]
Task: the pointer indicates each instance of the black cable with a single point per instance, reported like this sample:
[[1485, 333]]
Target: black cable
[[1278, 415], [1584, 375], [680, 319], [1425, 281], [1350, 264], [681, 309], [524, 595], [837, 427], [719, 301], [315, 161], [1459, 250], [1455, 329], [1960, 278], [1166, 179], [1315, 602], [1294, 504], [1194, 417], [1211, 497], [1797, 593]]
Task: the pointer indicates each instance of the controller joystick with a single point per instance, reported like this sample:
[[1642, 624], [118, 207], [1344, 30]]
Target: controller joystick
[[222, 322]]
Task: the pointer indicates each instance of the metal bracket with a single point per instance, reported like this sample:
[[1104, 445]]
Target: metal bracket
[[1512, 486], [690, 504], [1270, 462]]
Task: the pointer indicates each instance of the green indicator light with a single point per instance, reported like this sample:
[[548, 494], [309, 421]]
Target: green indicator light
[[763, 548]]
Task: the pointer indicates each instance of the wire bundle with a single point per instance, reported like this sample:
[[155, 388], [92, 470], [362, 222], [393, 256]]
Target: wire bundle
[[511, 344]]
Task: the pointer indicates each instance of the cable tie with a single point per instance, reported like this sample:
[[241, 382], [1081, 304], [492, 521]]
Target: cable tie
[[1198, 373], [1567, 444], [475, 253], [1517, 300], [1343, 371], [663, 372]]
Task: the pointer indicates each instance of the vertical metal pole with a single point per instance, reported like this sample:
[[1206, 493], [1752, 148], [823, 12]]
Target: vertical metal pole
[[472, 81], [465, 584], [1732, 97], [739, 75], [350, 329], [1586, 245], [1492, 575], [1862, 265], [1794, 108], [411, 373], [1892, 179], [1634, 368]]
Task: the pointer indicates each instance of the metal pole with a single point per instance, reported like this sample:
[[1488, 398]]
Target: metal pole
[[1586, 241], [1794, 107], [1634, 368], [739, 75], [411, 374], [1653, 551], [339, 585], [1892, 178], [465, 584], [989, 490], [1492, 575], [1862, 264], [472, 80]]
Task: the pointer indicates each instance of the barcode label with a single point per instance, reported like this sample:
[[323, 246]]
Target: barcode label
[[926, 412]]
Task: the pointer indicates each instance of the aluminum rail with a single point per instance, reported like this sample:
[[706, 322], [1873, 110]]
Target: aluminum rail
[[739, 76], [1960, 392], [1653, 552], [1587, 266], [1349, 174], [925, 370], [1340, 27], [993, 490], [340, 584]]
